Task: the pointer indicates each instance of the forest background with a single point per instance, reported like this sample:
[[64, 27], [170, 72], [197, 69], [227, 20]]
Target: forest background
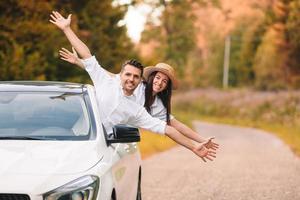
[[190, 35]]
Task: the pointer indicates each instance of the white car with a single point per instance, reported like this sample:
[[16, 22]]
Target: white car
[[53, 146]]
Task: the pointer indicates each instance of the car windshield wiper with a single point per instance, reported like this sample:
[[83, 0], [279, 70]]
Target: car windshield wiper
[[25, 138]]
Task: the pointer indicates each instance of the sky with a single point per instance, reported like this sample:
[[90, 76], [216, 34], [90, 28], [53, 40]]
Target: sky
[[135, 20]]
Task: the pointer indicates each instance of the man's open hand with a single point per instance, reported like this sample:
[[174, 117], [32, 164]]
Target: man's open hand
[[59, 20]]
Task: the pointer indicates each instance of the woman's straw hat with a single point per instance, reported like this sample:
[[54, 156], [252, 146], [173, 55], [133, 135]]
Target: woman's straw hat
[[164, 68]]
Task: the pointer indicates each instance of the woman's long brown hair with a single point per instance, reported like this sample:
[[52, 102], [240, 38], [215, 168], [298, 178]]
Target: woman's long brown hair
[[164, 95]]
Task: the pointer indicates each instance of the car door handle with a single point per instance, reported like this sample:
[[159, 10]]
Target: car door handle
[[130, 148], [127, 148]]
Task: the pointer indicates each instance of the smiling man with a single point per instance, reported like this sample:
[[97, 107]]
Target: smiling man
[[130, 76], [115, 95]]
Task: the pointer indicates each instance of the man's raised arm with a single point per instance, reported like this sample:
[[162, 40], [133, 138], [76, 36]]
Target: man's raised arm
[[64, 24]]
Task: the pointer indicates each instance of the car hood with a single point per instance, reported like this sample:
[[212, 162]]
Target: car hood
[[47, 157], [36, 167]]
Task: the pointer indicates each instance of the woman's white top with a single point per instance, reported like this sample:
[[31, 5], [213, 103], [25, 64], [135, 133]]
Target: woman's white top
[[157, 109]]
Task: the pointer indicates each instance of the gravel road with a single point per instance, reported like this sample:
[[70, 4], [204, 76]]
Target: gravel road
[[250, 164]]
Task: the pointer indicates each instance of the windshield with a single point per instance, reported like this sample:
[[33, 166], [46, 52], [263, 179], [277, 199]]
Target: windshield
[[43, 115]]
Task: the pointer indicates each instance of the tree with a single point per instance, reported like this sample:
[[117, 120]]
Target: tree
[[245, 39], [293, 38], [176, 36], [29, 43], [276, 61], [22, 30], [103, 34]]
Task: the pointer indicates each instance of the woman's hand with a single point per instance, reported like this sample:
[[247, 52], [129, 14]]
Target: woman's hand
[[209, 144], [60, 21], [204, 153], [70, 57]]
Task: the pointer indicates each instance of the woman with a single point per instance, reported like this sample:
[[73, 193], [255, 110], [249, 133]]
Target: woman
[[155, 95]]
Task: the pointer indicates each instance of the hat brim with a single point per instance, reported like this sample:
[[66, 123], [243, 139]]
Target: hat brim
[[149, 70]]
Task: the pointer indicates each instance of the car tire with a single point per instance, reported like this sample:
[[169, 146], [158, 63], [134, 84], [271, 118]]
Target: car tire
[[139, 190]]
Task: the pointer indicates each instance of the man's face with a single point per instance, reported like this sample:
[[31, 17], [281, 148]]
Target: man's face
[[130, 78]]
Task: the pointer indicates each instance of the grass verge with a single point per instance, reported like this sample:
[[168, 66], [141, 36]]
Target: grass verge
[[275, 112], [152, 143]]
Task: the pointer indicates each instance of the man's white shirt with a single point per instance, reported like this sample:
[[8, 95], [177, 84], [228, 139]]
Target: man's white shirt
[[115, 107]]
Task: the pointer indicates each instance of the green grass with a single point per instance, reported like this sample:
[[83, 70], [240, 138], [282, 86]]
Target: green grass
[[277, 113], [289, 134], [283, 121]]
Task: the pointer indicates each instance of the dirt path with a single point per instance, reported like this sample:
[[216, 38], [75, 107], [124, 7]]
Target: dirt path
[[250, 164]]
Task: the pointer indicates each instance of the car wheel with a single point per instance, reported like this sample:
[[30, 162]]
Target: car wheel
[[139, 190]]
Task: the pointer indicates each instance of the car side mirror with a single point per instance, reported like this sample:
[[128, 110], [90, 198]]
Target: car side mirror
[[123, 134]]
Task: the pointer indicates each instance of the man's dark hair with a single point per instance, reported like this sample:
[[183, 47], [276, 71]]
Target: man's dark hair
[[134, 63]]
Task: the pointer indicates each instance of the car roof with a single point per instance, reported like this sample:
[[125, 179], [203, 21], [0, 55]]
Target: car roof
[[41, 86]]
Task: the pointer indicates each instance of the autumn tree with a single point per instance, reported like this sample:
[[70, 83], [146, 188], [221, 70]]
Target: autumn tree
[[293, 38], [276, 62], [29, 43], [245, 39], [175, 35]]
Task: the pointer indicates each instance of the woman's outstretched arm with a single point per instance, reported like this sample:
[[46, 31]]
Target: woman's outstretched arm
[[199, 149], [188, 132], [64, 24]]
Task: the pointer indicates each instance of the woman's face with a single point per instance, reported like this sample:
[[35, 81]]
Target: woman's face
[[160, 82]]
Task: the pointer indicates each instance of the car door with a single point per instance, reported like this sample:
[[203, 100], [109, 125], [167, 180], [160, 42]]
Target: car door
[[125, 161], [126, 170]]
